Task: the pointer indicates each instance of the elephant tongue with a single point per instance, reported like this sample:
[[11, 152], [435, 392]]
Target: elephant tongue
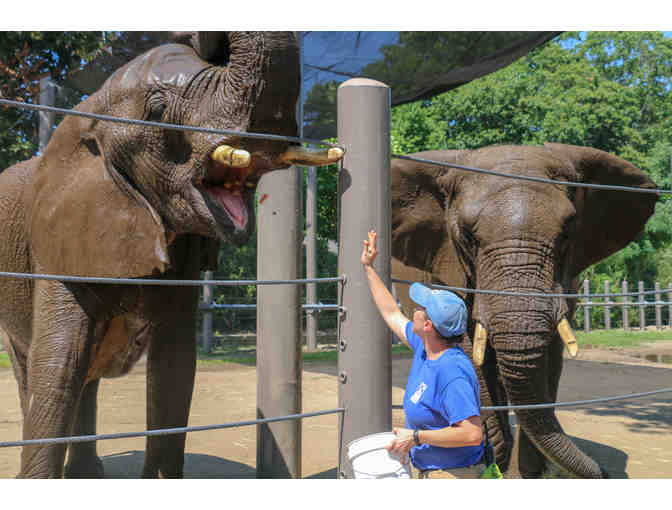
[[233, 204]]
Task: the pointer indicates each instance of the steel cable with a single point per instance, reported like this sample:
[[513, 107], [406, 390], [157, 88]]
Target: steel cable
[[536, 294], [565, 404], [535, 179], [140, 281], [163, 432], [177, 127]]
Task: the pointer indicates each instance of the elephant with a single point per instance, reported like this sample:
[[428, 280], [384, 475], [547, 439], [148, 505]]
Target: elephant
[[116, 200], [474, 231]]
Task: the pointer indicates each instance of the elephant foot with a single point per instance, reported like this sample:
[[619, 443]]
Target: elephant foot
[[85, 467]]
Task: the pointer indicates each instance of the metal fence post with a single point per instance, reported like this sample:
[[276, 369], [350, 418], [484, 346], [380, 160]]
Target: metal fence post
[[607, 308], [311, 257], [365, 358], [659, 308], [279, 336], [586, 306], [642, 305], [47, 119], [626, 301], [669, 307], [207, 314]]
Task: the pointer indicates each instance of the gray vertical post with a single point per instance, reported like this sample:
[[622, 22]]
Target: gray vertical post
[[626, 301], [659, 308], [365, 361], [586, 306], [207, 314], [311, 258], [642, 318], [607, 308], [47, 119], [278, 326], [395, 340], [669, 307]]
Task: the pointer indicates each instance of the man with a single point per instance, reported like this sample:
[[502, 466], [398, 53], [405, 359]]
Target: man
[[444, 434]]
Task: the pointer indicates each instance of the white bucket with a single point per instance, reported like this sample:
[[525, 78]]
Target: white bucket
[[370, 459]]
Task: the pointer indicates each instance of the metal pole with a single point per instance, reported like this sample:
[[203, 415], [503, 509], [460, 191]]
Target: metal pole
[[669, 307], [659, 308], [607, 308], [47, 119], [626, 300], [279, 325], [365, 360], [642, 319], [586, 307], [311, 258], [207, 314]]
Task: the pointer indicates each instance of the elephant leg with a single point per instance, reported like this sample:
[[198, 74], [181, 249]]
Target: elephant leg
[[83, 460], [57, 367], [499, 430], [492, 394], [531, 462], [171, 368], [19, 365]]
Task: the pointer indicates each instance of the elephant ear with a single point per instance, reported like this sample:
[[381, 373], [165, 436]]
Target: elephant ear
[[420, 236], [81, 222], [606, 221]]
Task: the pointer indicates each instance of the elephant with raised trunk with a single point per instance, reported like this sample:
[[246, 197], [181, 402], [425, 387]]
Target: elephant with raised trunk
[[118, 200], [470, 230]]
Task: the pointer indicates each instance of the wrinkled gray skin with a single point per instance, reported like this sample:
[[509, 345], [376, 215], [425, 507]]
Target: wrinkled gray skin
[[115, 200], [470, 230]]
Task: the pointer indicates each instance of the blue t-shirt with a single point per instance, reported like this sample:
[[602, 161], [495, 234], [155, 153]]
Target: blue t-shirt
[[440, 393]]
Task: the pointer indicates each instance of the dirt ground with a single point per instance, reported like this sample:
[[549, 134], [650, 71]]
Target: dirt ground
[[631, 438]]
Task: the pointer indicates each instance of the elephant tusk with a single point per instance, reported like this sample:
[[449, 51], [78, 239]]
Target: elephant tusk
[[296, 155], [480, 337], [565, 331], [228, 156]]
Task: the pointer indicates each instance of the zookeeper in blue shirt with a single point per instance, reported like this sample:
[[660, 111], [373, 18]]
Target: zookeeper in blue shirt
[[443, 436]]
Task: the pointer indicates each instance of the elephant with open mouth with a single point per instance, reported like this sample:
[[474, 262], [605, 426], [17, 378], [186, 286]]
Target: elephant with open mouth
[[128, 201], [471, 230]]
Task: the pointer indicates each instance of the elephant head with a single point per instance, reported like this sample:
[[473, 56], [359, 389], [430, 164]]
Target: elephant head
[[113, 196], [478, 231]]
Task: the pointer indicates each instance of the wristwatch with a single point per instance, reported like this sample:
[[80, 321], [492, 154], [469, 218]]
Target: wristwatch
[[416, 439]]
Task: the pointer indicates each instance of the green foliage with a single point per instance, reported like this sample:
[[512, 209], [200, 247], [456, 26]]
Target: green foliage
[[24, 58], [608, 90]]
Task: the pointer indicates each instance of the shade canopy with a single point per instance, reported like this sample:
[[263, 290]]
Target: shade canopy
[[416, 65]]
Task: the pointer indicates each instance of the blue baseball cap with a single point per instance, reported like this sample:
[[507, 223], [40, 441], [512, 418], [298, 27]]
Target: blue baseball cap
[[446, 310]]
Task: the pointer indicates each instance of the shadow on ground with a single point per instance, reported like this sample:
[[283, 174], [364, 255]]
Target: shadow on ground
[[129, 465], [613, 460], [196, 466]]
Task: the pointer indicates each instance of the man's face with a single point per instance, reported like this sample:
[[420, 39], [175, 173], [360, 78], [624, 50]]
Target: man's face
[[420, 318]]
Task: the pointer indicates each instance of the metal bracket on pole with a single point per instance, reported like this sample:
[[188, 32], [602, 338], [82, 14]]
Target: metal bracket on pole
[[342, 313], [342, 344]]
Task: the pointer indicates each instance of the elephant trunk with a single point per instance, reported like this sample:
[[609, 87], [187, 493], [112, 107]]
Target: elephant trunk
[[263, 81], [528, 350], [523, 369]]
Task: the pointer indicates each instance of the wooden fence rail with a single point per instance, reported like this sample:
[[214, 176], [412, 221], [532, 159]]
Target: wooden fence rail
[[609, 302]]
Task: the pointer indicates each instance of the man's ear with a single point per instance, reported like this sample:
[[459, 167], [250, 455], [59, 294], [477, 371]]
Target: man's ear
[[81, 223]]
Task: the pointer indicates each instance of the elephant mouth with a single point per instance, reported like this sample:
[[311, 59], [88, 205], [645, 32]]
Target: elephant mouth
[[231, 178], [229, 183]]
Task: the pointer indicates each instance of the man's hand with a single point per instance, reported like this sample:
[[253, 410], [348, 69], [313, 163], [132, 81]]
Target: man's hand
[[402, 444], [370, 252]]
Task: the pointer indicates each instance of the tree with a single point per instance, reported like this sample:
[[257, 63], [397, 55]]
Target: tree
[[604, 90], [24, 58]]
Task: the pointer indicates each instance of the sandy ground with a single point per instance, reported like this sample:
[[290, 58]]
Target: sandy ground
[[631, 438]]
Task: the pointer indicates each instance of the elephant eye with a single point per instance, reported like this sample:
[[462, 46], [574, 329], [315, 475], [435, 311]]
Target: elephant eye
[[156, 109]]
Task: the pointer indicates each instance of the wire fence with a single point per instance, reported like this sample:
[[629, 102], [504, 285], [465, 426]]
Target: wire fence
[[84, 279]]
